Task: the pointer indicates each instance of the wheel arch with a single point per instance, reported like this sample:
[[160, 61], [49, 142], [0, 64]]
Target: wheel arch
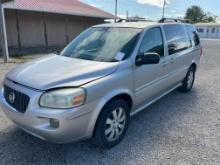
[[123, 94], [194, 66]]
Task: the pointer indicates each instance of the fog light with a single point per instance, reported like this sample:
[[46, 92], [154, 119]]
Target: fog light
[[54, 123]]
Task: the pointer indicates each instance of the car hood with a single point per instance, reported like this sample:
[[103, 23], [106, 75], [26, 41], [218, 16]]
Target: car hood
[[55, 71]]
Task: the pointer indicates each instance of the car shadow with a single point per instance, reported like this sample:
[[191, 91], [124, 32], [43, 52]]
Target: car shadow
[[147, 129]]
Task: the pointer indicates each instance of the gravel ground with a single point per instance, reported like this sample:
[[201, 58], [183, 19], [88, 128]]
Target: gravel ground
[[178, 129]]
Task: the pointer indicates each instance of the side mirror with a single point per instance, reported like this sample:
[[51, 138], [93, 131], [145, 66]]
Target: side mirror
[[171, 48], [147, 58]]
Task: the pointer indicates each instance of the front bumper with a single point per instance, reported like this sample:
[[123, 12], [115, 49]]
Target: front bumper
[[74, 124]]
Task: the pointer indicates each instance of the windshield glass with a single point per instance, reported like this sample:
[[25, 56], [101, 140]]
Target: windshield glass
[[103, 44]]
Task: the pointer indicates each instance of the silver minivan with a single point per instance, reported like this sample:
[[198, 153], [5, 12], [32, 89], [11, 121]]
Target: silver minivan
[[107, 74]]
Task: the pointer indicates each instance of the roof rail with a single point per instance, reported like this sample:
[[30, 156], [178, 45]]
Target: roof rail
[[133, 20], [164, 20], [120, 20]]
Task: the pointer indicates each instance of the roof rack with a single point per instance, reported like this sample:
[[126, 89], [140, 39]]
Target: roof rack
[[120, 20], [164, 20], [133, 20]]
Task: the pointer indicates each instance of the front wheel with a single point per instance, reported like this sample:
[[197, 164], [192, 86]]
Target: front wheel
[[112, 124], [188, 81]]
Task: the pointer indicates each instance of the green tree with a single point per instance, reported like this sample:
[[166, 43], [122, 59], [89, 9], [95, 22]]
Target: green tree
[[195, 14], [210, 17]]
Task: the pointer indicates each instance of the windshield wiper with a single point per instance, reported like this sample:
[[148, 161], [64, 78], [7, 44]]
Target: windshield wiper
[[92, 50]]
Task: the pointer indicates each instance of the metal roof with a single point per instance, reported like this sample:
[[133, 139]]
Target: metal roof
[[70, 7]]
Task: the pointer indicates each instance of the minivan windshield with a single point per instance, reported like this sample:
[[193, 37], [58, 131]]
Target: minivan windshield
[[105, 44]]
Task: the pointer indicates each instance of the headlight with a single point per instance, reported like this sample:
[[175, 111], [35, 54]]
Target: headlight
[[63, 98]]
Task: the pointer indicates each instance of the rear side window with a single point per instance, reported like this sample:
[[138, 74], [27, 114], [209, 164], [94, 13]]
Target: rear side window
[[152, 42], [176, 38], [193, 35]]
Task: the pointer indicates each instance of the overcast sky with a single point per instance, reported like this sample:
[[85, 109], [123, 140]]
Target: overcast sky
[[152, 9]]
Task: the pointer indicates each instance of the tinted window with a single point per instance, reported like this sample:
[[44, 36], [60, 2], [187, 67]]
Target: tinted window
[[176, 38], [194, 37], [152, 42]]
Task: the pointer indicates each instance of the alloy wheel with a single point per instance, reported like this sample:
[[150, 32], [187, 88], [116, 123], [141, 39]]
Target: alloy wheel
[[115, 124]]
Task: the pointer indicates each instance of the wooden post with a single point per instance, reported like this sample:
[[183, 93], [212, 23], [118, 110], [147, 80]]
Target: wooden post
[[45, 30], [85, 22], [4, 43], [66, 29], [18, 31]]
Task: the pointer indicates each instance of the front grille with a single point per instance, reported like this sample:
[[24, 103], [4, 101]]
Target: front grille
[[16, 99]]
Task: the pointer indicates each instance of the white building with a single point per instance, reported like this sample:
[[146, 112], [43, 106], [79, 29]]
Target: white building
[[209, 30]]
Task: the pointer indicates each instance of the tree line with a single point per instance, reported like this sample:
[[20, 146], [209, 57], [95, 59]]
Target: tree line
[[195, 14]]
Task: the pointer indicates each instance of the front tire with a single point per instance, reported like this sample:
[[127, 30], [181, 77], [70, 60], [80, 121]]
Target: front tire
[[112, 124], [188, 81]]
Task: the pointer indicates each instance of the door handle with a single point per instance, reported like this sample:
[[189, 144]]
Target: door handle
[[172, 60], [164, 63]]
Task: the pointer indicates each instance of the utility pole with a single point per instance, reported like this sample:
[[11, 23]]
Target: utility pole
[[116, 9], [4, 43], [164, 5], [127, 15]]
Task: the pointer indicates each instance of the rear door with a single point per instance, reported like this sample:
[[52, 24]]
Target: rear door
[[179, 52]]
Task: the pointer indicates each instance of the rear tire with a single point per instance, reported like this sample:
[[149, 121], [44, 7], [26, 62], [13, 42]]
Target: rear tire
[[112, 124], [188, 81]]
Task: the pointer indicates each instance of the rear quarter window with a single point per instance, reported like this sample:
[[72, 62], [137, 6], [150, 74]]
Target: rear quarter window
[[193, 35], [176, 38]]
